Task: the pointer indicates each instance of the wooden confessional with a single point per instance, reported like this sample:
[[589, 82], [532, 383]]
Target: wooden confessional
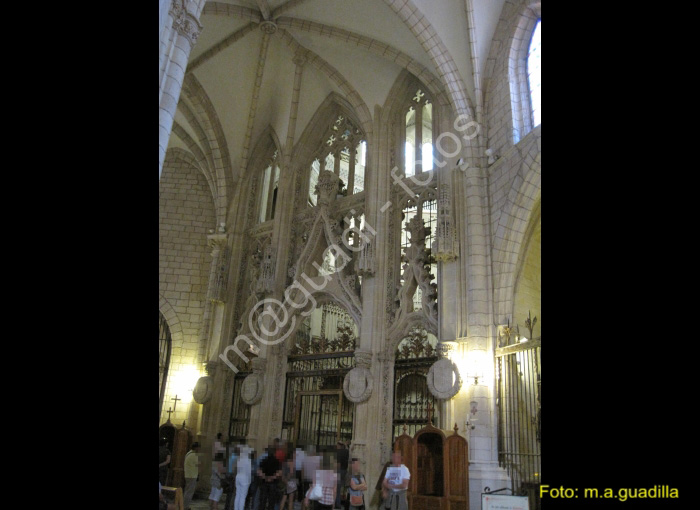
[[180, 440], [439, 467]]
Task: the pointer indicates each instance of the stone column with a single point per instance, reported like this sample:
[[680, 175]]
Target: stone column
[[175, 53], [477, 338], [216, 294]]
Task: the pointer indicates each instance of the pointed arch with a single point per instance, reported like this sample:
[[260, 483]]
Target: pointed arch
[[423, 30], [505, 76], [172, 319], [267, 142], [200, 113], [267, 151], [521, 207], [353, 97], [311, 139]]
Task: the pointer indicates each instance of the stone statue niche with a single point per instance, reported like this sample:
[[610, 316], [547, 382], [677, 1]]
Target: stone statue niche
[[439, 467]]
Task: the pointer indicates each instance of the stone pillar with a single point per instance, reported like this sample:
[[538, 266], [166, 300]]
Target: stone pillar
[[477, 339], [216, 295], [175, 53]]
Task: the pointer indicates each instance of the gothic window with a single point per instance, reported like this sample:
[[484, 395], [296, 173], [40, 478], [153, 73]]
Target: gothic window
[[344, 152], [165, 345], [418, 134], [269, 182], [524, 72], [534, 73]]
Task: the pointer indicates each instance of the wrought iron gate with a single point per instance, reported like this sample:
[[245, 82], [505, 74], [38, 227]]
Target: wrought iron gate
[[519, 406], [240, 411], [316, 411], [414, 357]]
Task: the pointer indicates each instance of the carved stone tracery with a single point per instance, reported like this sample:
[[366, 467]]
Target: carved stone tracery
[[417, 274]]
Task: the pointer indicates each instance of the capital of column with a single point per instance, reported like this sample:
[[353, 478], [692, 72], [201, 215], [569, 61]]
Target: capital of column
[[211, 367], [258, 365], [445, 348], [185, 23], [217, 241], [363, 359]]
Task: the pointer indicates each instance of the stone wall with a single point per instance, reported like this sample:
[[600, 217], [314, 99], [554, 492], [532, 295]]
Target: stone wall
[[186, 213]]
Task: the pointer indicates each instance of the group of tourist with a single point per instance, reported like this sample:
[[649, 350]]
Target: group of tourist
[[283, 478]]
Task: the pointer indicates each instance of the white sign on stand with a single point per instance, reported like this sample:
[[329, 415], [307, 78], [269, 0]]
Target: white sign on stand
[[503, 502]]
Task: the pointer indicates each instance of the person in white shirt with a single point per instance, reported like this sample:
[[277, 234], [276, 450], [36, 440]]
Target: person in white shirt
[[396, 483], [191, 473], [243, 477]]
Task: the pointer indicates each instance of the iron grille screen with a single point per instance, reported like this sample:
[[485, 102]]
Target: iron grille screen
[[519, 432], [316, 411], [240, 411]]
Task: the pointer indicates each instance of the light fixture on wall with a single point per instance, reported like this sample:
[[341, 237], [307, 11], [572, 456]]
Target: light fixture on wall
[[475, 366]]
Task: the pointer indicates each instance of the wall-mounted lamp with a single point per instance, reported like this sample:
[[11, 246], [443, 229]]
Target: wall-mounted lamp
[[475, 365]]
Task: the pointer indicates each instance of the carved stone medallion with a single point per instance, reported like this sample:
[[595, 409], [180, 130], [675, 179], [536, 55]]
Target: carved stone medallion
[[443, 379], [252, 389], [202, 390], [357, 384]]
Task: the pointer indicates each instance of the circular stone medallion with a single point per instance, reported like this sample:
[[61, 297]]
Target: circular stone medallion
[[252, 389], [443, 379], [357, 384], [202, 390]]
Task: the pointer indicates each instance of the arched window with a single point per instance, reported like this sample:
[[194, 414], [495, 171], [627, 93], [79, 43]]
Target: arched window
[[269, 183], [418, 134], [524, 71], [344, 152], [164, 348], [534, 73]]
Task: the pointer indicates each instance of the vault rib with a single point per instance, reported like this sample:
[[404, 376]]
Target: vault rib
[[285, 7], [264, 8], [219, 47], [233, 11], [254, 101]]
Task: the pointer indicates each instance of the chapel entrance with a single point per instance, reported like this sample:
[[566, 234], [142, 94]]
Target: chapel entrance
[[318, 418], [316, 411]]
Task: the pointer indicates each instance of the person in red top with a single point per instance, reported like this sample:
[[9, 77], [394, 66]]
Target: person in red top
[[280, 451]]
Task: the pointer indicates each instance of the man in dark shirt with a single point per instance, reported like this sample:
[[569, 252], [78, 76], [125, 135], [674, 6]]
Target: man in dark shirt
[[163, 460], [342, 455], [269, 472]]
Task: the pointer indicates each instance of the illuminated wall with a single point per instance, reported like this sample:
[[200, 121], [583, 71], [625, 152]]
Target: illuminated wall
[[186, 215]]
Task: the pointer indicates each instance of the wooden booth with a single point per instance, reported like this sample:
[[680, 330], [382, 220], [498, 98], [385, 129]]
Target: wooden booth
[[439, 467], [179, 442]]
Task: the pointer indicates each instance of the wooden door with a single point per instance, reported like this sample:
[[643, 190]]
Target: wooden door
[[457, 472]]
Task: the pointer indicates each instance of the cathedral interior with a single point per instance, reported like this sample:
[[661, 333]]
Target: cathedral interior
[[350, 232]]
